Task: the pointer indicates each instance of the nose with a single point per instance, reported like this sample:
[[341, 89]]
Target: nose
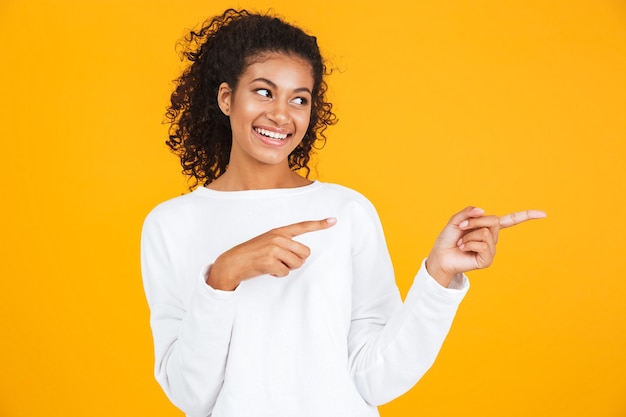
[[278, 112]]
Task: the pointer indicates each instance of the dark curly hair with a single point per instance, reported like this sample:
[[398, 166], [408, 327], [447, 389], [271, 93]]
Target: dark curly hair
[[220, 51]]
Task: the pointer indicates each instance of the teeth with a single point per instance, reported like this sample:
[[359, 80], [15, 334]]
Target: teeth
[[272, 135]]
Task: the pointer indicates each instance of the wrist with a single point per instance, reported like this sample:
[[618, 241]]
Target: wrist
[[434, 269], [218, 281]]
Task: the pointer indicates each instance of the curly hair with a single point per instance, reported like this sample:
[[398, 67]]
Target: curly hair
[[220, 51]]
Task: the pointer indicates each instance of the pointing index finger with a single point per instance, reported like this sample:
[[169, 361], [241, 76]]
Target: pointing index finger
[[518, 217], [296, 229]]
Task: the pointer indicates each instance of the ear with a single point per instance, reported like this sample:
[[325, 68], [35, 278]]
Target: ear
[[224, 98]]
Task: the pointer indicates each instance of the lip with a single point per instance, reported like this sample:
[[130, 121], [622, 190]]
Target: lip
[[271, 141]]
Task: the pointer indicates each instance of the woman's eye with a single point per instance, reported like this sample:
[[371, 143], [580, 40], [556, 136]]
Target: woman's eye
[[264, 92], [300, 100]]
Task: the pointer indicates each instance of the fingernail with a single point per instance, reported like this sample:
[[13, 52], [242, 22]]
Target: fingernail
[[331, 220], [463, 224]]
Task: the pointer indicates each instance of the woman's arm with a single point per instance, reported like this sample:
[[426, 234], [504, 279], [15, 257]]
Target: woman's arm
[[190, 342], [392, 344]]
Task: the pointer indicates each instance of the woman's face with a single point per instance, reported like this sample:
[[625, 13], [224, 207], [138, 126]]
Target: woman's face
[[269, 110]]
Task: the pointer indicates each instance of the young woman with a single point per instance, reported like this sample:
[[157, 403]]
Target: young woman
[[270, 294]]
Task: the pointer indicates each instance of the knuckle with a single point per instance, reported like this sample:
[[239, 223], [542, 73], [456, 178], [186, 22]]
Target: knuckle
[[277, 240], [278, 269], [270, 237], [274, 250], [268, 264], [486, 261]]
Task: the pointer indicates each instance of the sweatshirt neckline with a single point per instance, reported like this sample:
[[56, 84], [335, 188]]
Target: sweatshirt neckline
[[247, 194]]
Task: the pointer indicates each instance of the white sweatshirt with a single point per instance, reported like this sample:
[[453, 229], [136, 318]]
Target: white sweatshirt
[[333, 338]]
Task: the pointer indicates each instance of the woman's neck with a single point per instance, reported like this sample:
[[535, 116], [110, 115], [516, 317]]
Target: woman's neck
[[263, 179]]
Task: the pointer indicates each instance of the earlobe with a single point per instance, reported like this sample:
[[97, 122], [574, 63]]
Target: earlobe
[[224, 97]]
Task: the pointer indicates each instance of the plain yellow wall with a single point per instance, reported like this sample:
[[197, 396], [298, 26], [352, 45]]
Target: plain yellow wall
[[503, 104]]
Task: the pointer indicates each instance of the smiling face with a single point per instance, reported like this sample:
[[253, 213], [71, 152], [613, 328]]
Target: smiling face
[[269, 110]]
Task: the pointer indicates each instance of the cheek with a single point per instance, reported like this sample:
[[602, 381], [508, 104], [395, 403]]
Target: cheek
[[303, 120], [242, 115]]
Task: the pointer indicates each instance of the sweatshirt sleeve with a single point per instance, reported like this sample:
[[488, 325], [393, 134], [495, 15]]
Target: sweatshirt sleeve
[[191, 340], [392, 344]]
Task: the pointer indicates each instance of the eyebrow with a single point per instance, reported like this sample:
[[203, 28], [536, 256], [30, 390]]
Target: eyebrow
[[273, 85]]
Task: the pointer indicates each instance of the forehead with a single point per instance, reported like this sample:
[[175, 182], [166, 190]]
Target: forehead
[[277, 66]]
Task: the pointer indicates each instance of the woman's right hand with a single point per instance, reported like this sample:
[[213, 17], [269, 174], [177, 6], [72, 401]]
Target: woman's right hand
[[274, 253]]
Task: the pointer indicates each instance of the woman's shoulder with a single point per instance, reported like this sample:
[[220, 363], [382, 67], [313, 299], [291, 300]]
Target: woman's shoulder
[[341, 190], [175, 207], [347, 195]]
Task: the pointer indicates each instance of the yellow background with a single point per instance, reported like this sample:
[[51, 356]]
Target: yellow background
[[503, 104]]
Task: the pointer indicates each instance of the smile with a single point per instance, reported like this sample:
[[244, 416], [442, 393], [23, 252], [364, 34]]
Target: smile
[[273, 135]]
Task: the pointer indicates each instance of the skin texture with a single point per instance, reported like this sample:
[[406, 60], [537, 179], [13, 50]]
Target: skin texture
[[274, 253], [468, 242], [273, 94], [219, 51]]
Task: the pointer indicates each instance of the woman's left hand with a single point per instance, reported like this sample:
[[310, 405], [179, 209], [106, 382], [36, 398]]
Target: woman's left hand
[[469, 240]]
